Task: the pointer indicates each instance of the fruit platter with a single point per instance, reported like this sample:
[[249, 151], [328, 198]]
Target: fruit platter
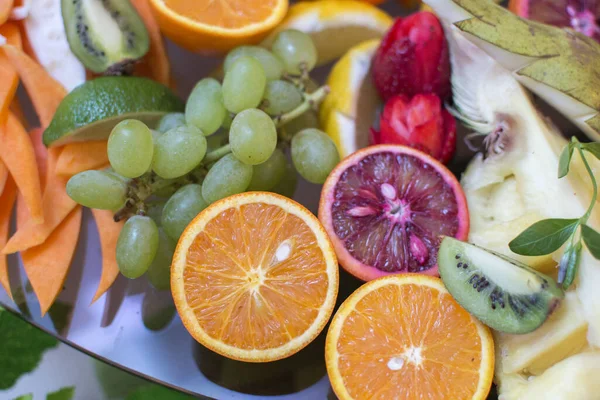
[[319, 199]]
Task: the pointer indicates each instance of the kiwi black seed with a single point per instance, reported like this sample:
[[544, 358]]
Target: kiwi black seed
[[504, 294], [108, 36]]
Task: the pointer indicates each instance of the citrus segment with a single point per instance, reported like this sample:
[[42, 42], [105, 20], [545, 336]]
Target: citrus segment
[[385, 208], [208, 26], [405, 337], [254, 277]]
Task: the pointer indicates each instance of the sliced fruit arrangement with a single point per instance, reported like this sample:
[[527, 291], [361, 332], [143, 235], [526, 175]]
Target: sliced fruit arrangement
[[386, 206], [208, 26], [350, 22], [276, 271], [405, 336]]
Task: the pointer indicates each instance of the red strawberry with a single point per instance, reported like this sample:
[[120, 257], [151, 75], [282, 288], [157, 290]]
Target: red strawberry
[[421, 122], [413, 58]]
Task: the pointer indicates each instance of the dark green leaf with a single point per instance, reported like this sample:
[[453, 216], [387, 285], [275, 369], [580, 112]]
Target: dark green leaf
[[592, 240], [543, 237], [593, 148], [565, 160], [66, 393], [21, 348], [157, 392], [25, 397]]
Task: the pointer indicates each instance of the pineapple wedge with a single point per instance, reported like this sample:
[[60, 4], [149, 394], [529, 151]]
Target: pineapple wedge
[[575, 378], [563, 335]]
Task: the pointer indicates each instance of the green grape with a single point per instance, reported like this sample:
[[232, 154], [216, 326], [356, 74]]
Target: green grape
[[159, 272], [252, 136], [227, 121], [287, 185], [268, 174], [155, 211], [216, 140], [181, 208], [130, 148], [297, 51], [244, 84], [314, 155], [155, 135], [307, 120], [166, 191], [205, 109], [98, 189], [178, 151], [227, 177], [271, 64], [281, 97], [170, 121], [137, 246]]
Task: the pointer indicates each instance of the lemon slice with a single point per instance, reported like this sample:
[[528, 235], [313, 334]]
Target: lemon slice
[[347, 22], [350, 109]]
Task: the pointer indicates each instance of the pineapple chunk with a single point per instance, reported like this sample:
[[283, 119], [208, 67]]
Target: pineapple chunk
[[563, 335]]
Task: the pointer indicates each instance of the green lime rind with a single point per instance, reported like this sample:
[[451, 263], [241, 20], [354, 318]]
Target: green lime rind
[[91, 110]]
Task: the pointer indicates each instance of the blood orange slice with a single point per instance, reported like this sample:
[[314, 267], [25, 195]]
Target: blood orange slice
[[254, 277], [580, 15], [385, 207]]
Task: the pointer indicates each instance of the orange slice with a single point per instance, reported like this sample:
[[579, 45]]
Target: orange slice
[[217, 25], [405, 337], [254, 277]]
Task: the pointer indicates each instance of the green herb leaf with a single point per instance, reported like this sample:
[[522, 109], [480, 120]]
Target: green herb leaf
[[569, 263], [21, 347], [592, 240], [593, 148], [565, 160], [543, 237], [25, 397], [157, 392], [66, 393]]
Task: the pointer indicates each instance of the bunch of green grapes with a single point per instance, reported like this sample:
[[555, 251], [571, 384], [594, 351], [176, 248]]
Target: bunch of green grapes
[[233, 137]]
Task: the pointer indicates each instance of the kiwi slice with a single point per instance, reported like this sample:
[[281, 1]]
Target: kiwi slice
[[107, 36], [504, 294]]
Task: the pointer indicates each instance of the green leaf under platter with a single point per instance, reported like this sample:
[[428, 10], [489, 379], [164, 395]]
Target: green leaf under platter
[[544, 237], [65, 393]]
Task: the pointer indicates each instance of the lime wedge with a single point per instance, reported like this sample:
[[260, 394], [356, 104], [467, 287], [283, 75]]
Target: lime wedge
[[92, 109]]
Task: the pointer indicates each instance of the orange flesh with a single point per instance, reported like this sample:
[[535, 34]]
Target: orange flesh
[[7, 200], [393, 321], [235, 251], [229, 14]]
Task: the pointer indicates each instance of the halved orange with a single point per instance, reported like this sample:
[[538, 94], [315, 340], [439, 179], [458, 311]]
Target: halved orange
[[217, 25], [404, 337], [255, 277]]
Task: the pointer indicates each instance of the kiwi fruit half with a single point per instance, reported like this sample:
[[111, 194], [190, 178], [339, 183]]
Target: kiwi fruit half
[[107, 36], [504, 294]]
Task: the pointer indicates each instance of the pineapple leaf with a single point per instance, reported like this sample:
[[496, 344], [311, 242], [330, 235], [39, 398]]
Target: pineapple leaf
[[593, 148], [591, 239], [560, 65], [565, 160], [544, 237]]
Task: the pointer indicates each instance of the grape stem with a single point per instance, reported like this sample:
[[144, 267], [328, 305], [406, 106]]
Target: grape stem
[[310, 101], [216, 154]]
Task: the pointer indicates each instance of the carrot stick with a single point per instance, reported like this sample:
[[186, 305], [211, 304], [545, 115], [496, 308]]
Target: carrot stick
[[41, 154], [109, 231], [44, 91], [81, 156], [18, 155], [47, 265], [5, 8], [156, 60], [3, 176], [8, 74], [7, 200], [56, 205]]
